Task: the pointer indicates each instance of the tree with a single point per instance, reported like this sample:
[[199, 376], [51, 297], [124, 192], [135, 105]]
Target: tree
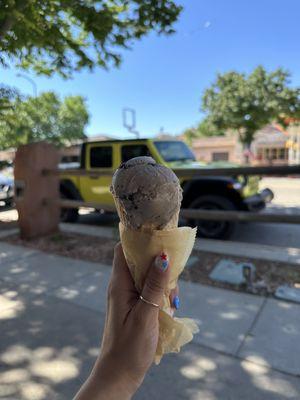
[[204, 129], [45, 117], [248, 103], [66, 35], [7, 94]]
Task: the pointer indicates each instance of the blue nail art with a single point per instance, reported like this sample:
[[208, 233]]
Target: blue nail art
[[176, 302]]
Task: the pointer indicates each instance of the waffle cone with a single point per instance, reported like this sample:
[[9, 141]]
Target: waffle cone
[[140, 248]]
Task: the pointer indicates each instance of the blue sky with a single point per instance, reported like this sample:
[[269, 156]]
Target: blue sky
[[163, 78]]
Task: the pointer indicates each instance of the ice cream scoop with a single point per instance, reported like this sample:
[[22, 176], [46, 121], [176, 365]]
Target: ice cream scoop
[[148, 195]]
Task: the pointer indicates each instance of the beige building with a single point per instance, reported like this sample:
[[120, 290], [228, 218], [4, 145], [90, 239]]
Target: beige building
[[7, 155], [293, 145], [272, 146], [217, 148]]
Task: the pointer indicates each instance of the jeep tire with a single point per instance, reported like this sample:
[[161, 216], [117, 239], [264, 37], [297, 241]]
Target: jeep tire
[[68, 214], [213, 229]]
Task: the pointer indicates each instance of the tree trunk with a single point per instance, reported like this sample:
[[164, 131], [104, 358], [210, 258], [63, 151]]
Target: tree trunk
[[246, 152], [6, 26], [247, 139], [245, 155]]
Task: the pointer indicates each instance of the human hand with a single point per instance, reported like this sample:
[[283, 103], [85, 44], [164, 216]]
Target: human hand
[[131, 331]]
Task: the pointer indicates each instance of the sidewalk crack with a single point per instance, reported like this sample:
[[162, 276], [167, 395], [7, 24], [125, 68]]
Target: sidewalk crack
[[251, 327]]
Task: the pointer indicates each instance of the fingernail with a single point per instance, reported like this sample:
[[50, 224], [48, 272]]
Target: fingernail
[[176, 302], [162, 262]]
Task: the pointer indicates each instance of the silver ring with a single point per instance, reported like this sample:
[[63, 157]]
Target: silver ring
[[148, 302]]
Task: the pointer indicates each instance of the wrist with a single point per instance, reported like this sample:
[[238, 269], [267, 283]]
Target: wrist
[[112, 382]]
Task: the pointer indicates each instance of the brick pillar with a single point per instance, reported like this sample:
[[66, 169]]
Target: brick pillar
[[36, 195]]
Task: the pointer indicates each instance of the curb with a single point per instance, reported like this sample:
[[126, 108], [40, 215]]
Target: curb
[[290, 255]]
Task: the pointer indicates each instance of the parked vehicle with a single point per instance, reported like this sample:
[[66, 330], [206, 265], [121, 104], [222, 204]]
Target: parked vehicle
[[6, 190], [205, 192]]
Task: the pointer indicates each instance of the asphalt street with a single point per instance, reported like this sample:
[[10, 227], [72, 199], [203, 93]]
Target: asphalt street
[[286, 199]]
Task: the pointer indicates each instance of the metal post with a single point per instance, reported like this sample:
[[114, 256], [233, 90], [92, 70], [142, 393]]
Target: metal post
[[130, 125]]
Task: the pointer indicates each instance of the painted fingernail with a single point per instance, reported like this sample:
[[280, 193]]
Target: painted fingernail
[[176, 302], [162, 262]]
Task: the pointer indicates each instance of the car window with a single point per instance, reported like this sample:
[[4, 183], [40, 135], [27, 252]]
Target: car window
[[101, 157], [134, 150], [174, 151]]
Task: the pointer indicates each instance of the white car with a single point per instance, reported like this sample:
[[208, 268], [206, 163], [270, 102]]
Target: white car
[[6, 189]]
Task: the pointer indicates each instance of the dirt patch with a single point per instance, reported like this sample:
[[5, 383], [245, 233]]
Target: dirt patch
[[269, 274], [73, 245]]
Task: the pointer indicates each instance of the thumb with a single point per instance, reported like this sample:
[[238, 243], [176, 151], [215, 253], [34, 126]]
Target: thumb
[[156, 280]]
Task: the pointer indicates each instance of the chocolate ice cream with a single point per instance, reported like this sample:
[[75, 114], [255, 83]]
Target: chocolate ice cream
[[147, 195]]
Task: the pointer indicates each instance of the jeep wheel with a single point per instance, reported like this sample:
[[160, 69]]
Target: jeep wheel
[[68, 214], [9, 203], [213, 229]]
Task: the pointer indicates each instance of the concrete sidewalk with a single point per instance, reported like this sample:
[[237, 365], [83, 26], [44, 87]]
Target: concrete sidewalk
[[52, 315]]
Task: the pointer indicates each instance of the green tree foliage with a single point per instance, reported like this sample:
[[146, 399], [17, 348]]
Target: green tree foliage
[[45, 117], [7, 95], [204, 129], [248, 103], [66, 35]]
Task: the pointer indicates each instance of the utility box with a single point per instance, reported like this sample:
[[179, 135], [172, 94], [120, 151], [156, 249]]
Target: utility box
[[37, 193]]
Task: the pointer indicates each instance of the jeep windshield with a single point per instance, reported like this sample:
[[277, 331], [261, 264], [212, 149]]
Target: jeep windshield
[[174, 151]]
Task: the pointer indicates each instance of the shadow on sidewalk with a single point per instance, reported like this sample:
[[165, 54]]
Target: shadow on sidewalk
[[48, 347]]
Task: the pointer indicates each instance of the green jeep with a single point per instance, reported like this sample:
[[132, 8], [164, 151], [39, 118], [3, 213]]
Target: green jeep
[[205, 192]]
